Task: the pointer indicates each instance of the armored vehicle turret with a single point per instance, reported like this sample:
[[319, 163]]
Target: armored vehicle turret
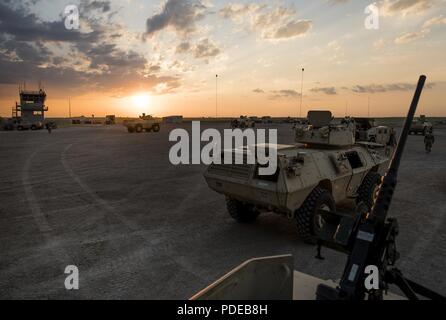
[[326, 168]]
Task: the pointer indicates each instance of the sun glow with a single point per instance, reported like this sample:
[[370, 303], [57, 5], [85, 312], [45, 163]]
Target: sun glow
[[141, 100]]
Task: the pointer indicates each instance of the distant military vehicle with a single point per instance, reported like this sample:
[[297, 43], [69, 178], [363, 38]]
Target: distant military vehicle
[[145, 123], [368, 130], [326, 168], [243, 122], [110, 119], [421, 126]]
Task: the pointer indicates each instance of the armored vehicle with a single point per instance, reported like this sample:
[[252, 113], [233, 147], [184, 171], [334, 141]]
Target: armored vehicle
[[421, 126], [144, 123], [325, 169], [370, 244], [243, 122]]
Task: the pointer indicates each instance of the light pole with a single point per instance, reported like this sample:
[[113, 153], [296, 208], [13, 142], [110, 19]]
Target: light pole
[[368, 107], [301, 93], [216, 96], [69, 107]]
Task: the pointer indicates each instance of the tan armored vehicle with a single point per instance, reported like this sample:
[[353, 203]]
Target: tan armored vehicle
[[421, 126], [326, 168], [144, 123]]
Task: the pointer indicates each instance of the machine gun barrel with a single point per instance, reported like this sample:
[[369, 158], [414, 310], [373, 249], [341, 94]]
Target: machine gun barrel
[[379, 210], [370, 243]]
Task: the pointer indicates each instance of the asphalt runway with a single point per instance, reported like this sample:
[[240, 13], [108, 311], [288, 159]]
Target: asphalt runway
[[138, 227]]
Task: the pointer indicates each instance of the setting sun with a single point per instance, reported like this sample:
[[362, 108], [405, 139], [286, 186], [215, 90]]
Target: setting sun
[[141, 100]]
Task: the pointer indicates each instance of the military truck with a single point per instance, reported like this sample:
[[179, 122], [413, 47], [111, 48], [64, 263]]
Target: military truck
[[325, 169], [145, 123], [243, 122], [420, 125], [110, 119]]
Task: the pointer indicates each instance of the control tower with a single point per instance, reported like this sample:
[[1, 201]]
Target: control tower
[[32, 106]]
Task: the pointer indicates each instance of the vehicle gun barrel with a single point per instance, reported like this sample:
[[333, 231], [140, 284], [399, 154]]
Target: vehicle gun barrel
[[385, 193]]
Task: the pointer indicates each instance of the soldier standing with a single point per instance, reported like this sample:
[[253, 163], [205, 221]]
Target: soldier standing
[[429, 141]]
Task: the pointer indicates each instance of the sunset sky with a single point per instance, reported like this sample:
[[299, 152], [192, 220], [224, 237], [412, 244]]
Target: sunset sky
[[161, 57]]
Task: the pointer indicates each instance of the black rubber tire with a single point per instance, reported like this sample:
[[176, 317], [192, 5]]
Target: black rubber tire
[[156, 128], [20, 128], [368, 187], [138, 129], [306, 215], [241, 212], [130, 129]]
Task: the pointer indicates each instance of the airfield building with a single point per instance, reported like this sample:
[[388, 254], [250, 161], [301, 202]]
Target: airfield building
[[31, 107]]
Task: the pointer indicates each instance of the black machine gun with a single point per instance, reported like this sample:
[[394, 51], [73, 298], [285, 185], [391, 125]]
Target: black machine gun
[[372, 239]]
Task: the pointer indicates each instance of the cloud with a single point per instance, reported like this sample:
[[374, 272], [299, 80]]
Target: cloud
[[179, 15], [411, 36], [427, 26], [405, 7], [326, 90], [258, 90], [293, 29], [285, 93], [24, 26], [103, 6], [379, 88], [183, 47], [436, 21], [272, 23], [203, 49], [75, 61], [336, 1]]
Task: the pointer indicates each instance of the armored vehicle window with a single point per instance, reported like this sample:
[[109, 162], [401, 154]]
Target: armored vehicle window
[[354, 159], [273, 178]]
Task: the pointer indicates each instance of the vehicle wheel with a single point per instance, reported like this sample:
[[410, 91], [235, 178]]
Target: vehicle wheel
[[310, 218], [20, 128], [241, 212], [369, 187], [33, 127], [138, 128], [156, 128], [130, 129], [372, 139]]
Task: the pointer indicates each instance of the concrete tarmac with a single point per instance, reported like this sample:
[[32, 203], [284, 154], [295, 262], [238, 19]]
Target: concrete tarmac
[[138, 227]]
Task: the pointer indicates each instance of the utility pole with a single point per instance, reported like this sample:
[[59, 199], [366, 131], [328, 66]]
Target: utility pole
[[69, 107], [368, 107], [346, 107], [216, 96], [301, 93]]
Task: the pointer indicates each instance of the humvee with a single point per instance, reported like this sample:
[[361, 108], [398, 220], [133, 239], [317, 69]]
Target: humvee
[[324, 169], [145, 123], [421, 126]]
